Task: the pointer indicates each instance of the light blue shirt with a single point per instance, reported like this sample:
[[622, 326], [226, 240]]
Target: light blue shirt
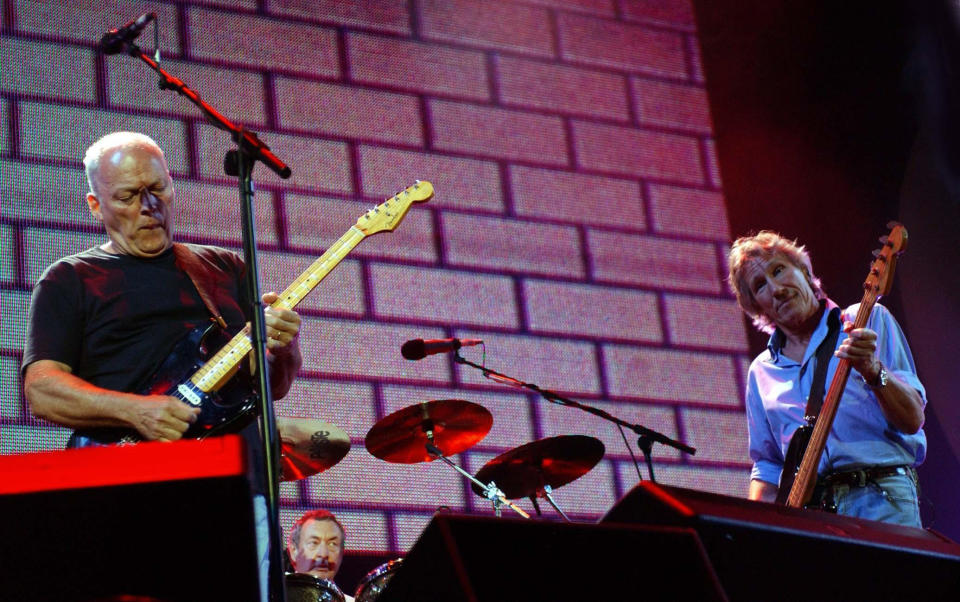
[[777, 390]]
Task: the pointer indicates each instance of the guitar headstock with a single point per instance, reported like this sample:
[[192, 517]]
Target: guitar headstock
[[880, 279], [388, 214]]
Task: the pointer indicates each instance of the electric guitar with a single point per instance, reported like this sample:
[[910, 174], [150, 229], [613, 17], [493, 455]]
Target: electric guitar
[[227, 404], [799, 476]]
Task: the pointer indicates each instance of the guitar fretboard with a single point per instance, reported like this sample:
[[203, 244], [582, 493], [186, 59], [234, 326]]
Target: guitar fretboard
[[213, 374]]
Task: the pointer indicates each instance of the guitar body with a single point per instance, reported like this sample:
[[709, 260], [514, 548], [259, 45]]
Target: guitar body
[[225, 411], [798, 447]]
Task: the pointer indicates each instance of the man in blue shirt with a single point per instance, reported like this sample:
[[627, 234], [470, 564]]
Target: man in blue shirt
[[867, 468]]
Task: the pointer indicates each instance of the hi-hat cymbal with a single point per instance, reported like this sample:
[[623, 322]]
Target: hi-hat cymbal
[[309, 446], [555, 461], [455, 425]]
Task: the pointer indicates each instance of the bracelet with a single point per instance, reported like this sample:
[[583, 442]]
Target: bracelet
[[881, 380]]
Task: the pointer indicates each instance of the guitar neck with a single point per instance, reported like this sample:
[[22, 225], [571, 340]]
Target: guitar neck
[[806, 478], [213, 374]]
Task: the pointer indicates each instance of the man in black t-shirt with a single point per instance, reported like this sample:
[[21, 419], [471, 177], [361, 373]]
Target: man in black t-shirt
[[103, 320]]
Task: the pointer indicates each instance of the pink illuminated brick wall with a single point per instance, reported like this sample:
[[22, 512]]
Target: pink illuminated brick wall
[[578, 227]]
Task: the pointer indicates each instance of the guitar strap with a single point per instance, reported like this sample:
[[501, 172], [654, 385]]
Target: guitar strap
[[190, 264], [823, 353]]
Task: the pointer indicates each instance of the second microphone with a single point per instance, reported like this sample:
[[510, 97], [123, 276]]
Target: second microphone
[[417, 349]]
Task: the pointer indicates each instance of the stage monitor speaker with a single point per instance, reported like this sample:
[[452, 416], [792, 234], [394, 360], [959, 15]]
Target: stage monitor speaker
[[461, 558], [170, 521], [767, 552]]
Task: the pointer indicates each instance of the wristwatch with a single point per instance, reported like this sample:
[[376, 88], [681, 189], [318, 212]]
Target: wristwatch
[[881, 380]]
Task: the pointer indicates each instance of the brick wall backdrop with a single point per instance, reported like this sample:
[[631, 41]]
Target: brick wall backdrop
[[578, 227]]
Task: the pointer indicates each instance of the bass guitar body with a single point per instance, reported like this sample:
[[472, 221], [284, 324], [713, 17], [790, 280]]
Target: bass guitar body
[[226, 410], [798, 447]]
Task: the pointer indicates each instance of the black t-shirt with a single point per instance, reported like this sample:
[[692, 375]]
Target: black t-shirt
[[114, 318]]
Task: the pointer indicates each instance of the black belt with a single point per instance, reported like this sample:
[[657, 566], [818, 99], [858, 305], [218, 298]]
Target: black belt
[[862, 476]]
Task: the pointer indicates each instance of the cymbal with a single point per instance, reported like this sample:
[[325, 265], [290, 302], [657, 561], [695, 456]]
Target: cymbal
[[456, 425], [555, 461], [309, 446]]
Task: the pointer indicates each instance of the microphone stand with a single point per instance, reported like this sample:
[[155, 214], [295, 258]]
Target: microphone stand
[[240, 163], [647, 437]]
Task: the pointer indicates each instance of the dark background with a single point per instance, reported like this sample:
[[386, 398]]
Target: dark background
[[831, 119]]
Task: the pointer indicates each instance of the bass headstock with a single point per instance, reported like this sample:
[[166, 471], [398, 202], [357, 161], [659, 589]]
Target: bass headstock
[[880, 278]]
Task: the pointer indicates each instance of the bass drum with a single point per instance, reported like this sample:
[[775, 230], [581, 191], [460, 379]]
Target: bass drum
[[376, 580], [303, 587]]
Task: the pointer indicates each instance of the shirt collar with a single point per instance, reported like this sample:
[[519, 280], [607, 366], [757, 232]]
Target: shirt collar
[[778, 338]]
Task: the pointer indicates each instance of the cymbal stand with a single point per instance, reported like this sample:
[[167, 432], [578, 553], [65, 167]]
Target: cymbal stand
[[491, 492], [546, 494]]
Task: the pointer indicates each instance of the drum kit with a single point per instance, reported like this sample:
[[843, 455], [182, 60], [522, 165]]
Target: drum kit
[[303, 587], [424, 432]]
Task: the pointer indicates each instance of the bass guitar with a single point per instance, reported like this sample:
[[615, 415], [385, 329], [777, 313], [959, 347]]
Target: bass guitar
[[190, 374], [799, 475]]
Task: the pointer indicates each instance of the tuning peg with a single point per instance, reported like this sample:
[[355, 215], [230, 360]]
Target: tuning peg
[[893, 224], [877, 252], [883, 239]]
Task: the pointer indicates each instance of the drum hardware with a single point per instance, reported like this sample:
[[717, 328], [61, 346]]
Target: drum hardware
[[309, 447], [304, 587], [489, 491], [376, 580], [545, 493], [535, 469], [433, 430]]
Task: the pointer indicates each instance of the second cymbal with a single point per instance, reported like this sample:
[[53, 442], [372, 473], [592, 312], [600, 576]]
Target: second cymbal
[[555, 461], [454, 425]]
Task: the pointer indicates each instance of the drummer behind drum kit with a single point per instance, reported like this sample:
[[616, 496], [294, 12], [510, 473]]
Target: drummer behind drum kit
[[425, 432]]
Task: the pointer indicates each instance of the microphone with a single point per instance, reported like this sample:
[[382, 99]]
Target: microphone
[[417, 349], [114, 40]]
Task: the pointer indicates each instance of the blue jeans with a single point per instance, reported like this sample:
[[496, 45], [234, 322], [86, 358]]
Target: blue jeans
[[891, 499]]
